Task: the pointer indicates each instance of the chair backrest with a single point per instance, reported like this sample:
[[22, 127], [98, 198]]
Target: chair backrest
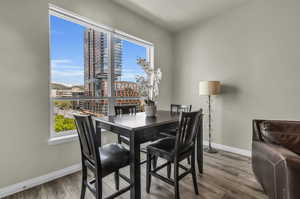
[[126, 109], [190, 124], [87, 138], [177, 108]]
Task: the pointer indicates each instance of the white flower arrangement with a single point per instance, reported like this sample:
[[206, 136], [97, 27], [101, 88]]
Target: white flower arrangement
[[149, 86]]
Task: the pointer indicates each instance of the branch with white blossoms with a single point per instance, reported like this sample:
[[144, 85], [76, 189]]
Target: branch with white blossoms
[[150, 83], [145, 65]]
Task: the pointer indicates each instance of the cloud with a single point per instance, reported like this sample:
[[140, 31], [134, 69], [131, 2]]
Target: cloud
[[68, 77], [67, 68], [60, 61], [130, 75], [64, 64], [57, 73]]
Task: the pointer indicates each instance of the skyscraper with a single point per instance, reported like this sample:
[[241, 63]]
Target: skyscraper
[[96, 62], [96, 65]]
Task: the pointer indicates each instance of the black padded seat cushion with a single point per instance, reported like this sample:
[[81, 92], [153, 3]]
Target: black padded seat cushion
[[165, 148], [113, 157]]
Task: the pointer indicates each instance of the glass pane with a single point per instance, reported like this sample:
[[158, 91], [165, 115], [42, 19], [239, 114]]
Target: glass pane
[[67, 61], [79, 60], [95, 63], [126, 54], [63, 121]]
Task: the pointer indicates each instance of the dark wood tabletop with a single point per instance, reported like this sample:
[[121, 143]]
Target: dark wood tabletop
[[139, 120]]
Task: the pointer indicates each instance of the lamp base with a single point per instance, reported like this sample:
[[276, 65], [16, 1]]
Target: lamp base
[[210, 150]]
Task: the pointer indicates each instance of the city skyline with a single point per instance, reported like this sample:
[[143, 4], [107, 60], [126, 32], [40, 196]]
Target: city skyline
[[67, 54]]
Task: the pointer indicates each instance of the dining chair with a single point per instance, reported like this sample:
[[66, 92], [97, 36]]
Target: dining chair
[[125, 109], [176, 109], [101, 161], [180, 108], [174, 150]]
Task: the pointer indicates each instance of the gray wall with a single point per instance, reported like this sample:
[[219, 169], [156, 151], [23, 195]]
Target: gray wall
[[254, 51], [24, 76]]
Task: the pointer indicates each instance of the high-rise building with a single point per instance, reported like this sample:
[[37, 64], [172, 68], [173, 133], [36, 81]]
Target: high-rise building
[[96, 62]]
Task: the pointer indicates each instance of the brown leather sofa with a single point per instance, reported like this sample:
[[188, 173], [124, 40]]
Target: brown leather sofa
[[276, 157]]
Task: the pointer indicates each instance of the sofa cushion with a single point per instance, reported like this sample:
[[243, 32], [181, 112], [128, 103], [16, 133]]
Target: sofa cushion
[[284, 133]]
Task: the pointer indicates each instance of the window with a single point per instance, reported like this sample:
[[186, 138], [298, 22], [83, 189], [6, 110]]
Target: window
[[92, 68]]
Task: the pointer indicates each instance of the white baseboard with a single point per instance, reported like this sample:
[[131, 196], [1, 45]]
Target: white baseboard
[[229, 149], [21, 186]]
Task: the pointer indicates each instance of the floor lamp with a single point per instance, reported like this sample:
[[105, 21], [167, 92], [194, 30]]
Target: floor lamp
[[209, 88]]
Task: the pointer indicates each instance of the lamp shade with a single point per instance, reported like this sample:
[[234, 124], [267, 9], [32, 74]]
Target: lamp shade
[[209, 87]]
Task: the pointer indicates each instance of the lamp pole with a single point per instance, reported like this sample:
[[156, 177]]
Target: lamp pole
[[209, 149]]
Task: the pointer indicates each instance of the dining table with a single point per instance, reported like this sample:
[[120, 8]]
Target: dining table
[[141, 129]]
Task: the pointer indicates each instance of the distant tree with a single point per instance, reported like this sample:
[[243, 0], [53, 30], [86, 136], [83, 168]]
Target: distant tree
[[63, 105], [64, 124]]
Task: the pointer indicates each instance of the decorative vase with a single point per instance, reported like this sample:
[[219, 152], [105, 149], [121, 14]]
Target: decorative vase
[[150, 111]]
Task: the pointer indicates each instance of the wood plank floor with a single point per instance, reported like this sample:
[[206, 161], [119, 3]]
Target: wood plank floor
[[226, 176]]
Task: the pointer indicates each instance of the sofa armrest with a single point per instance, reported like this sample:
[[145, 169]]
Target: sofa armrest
[[293, 176], [277, 169]]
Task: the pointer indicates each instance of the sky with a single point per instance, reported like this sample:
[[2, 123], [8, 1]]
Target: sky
[[67, 54]]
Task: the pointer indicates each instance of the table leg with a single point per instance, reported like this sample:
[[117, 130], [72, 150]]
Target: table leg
[[135, 170], [200, 149], [98, 132]]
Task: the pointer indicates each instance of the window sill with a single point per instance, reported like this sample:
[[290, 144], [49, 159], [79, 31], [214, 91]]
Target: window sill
[[62, 139]]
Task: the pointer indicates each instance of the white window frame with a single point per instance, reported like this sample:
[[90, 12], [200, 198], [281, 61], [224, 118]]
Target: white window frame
[[75, 18]]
